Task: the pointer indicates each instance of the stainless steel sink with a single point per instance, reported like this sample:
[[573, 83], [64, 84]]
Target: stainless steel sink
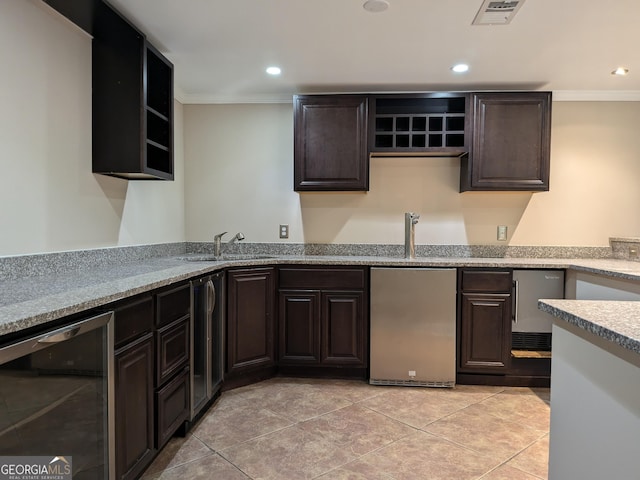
[[225, 257]]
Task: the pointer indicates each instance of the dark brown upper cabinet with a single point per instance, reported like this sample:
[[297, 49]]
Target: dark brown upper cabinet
[[419, 124], [330, 143], [132, 100], [132, 103], [510, 146]]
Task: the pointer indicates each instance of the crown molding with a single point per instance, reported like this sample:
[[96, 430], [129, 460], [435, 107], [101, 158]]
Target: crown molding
[[558, 96], [596, 96], [226, 99]]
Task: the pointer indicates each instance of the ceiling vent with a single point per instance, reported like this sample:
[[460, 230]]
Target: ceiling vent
[[494, 12]]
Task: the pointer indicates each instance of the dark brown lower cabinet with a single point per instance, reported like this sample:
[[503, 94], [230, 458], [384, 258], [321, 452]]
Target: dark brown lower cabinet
[[484, 324], [250, 319], [485, 336], [172, 394], [299, 327], [343, 328], [134, 410], [484, 333], [323, 319]]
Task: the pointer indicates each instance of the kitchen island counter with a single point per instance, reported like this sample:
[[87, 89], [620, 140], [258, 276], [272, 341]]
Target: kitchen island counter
[[615, 321], [595, 385]]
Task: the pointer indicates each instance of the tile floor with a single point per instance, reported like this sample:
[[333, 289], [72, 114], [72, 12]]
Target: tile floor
[[287, 428]]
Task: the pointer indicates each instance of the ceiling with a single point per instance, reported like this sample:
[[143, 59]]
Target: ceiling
[[221, 48]]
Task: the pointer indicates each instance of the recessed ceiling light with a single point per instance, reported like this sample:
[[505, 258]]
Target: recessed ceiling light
[[620, 71], [274, 70], [375, 6], [460, 68]]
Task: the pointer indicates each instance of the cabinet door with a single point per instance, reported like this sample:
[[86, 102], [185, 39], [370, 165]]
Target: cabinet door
[[343, 328], [510, 144], [173, 406], [485, 336], [299, 320], [330, 143], [250, 323], [134, 407]]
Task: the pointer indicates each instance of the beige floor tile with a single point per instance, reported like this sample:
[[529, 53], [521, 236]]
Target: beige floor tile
[[301, 402], [357, 429], [418, 406], [535, 459], [526, 409], [295, 428], [224, 428], [484, 433], [177, 451], [504, 472], [212, 467], [540, 392], [352, 390], [423, 456], [356, 470], [291, 453]]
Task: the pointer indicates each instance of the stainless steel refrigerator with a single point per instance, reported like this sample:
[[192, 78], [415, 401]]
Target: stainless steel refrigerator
[[413, 327], [531, 328]]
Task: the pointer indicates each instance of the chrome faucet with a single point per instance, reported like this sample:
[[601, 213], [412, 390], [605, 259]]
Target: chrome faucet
[[238, 236], [217, 244], [410, 220]]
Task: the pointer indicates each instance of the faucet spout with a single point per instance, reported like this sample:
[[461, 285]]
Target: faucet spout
[[217, 243], [410, 220], [238, 236]]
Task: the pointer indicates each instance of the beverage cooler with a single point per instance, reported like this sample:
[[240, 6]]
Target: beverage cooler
[[207, 341]]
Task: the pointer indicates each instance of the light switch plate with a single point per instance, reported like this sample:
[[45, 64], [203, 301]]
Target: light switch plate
[[502, 233], [284, 231]]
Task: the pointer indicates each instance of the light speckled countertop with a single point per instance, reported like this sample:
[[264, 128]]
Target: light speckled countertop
[[618, 322], [36, 300]]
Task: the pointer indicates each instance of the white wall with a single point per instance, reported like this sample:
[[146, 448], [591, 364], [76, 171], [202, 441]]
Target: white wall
[[50, 199], [238, 168], [240, 175]]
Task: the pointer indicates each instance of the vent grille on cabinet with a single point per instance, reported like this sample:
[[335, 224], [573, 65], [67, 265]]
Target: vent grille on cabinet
[[499, 12]]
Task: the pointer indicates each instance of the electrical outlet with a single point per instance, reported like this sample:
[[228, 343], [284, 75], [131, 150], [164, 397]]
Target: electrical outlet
[[502, 233], [284, 231]]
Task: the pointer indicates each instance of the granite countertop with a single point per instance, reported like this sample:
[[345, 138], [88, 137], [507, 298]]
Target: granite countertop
[[616, 321], [37, 299]]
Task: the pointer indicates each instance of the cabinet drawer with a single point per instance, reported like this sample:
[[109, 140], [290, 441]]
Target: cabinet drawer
[[172, 407], [323, 278], [172, 349], [486, 281], [133, 319], [173, 304]]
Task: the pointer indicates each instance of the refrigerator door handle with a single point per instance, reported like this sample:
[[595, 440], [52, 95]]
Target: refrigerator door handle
[[514, 314]]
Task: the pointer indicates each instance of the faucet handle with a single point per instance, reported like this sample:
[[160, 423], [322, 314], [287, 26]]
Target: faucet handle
[[411, 217], [219, 236]]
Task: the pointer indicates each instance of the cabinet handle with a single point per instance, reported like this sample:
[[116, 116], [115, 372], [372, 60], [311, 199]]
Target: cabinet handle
[[514, 315], [211, 296], [60, 336]]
